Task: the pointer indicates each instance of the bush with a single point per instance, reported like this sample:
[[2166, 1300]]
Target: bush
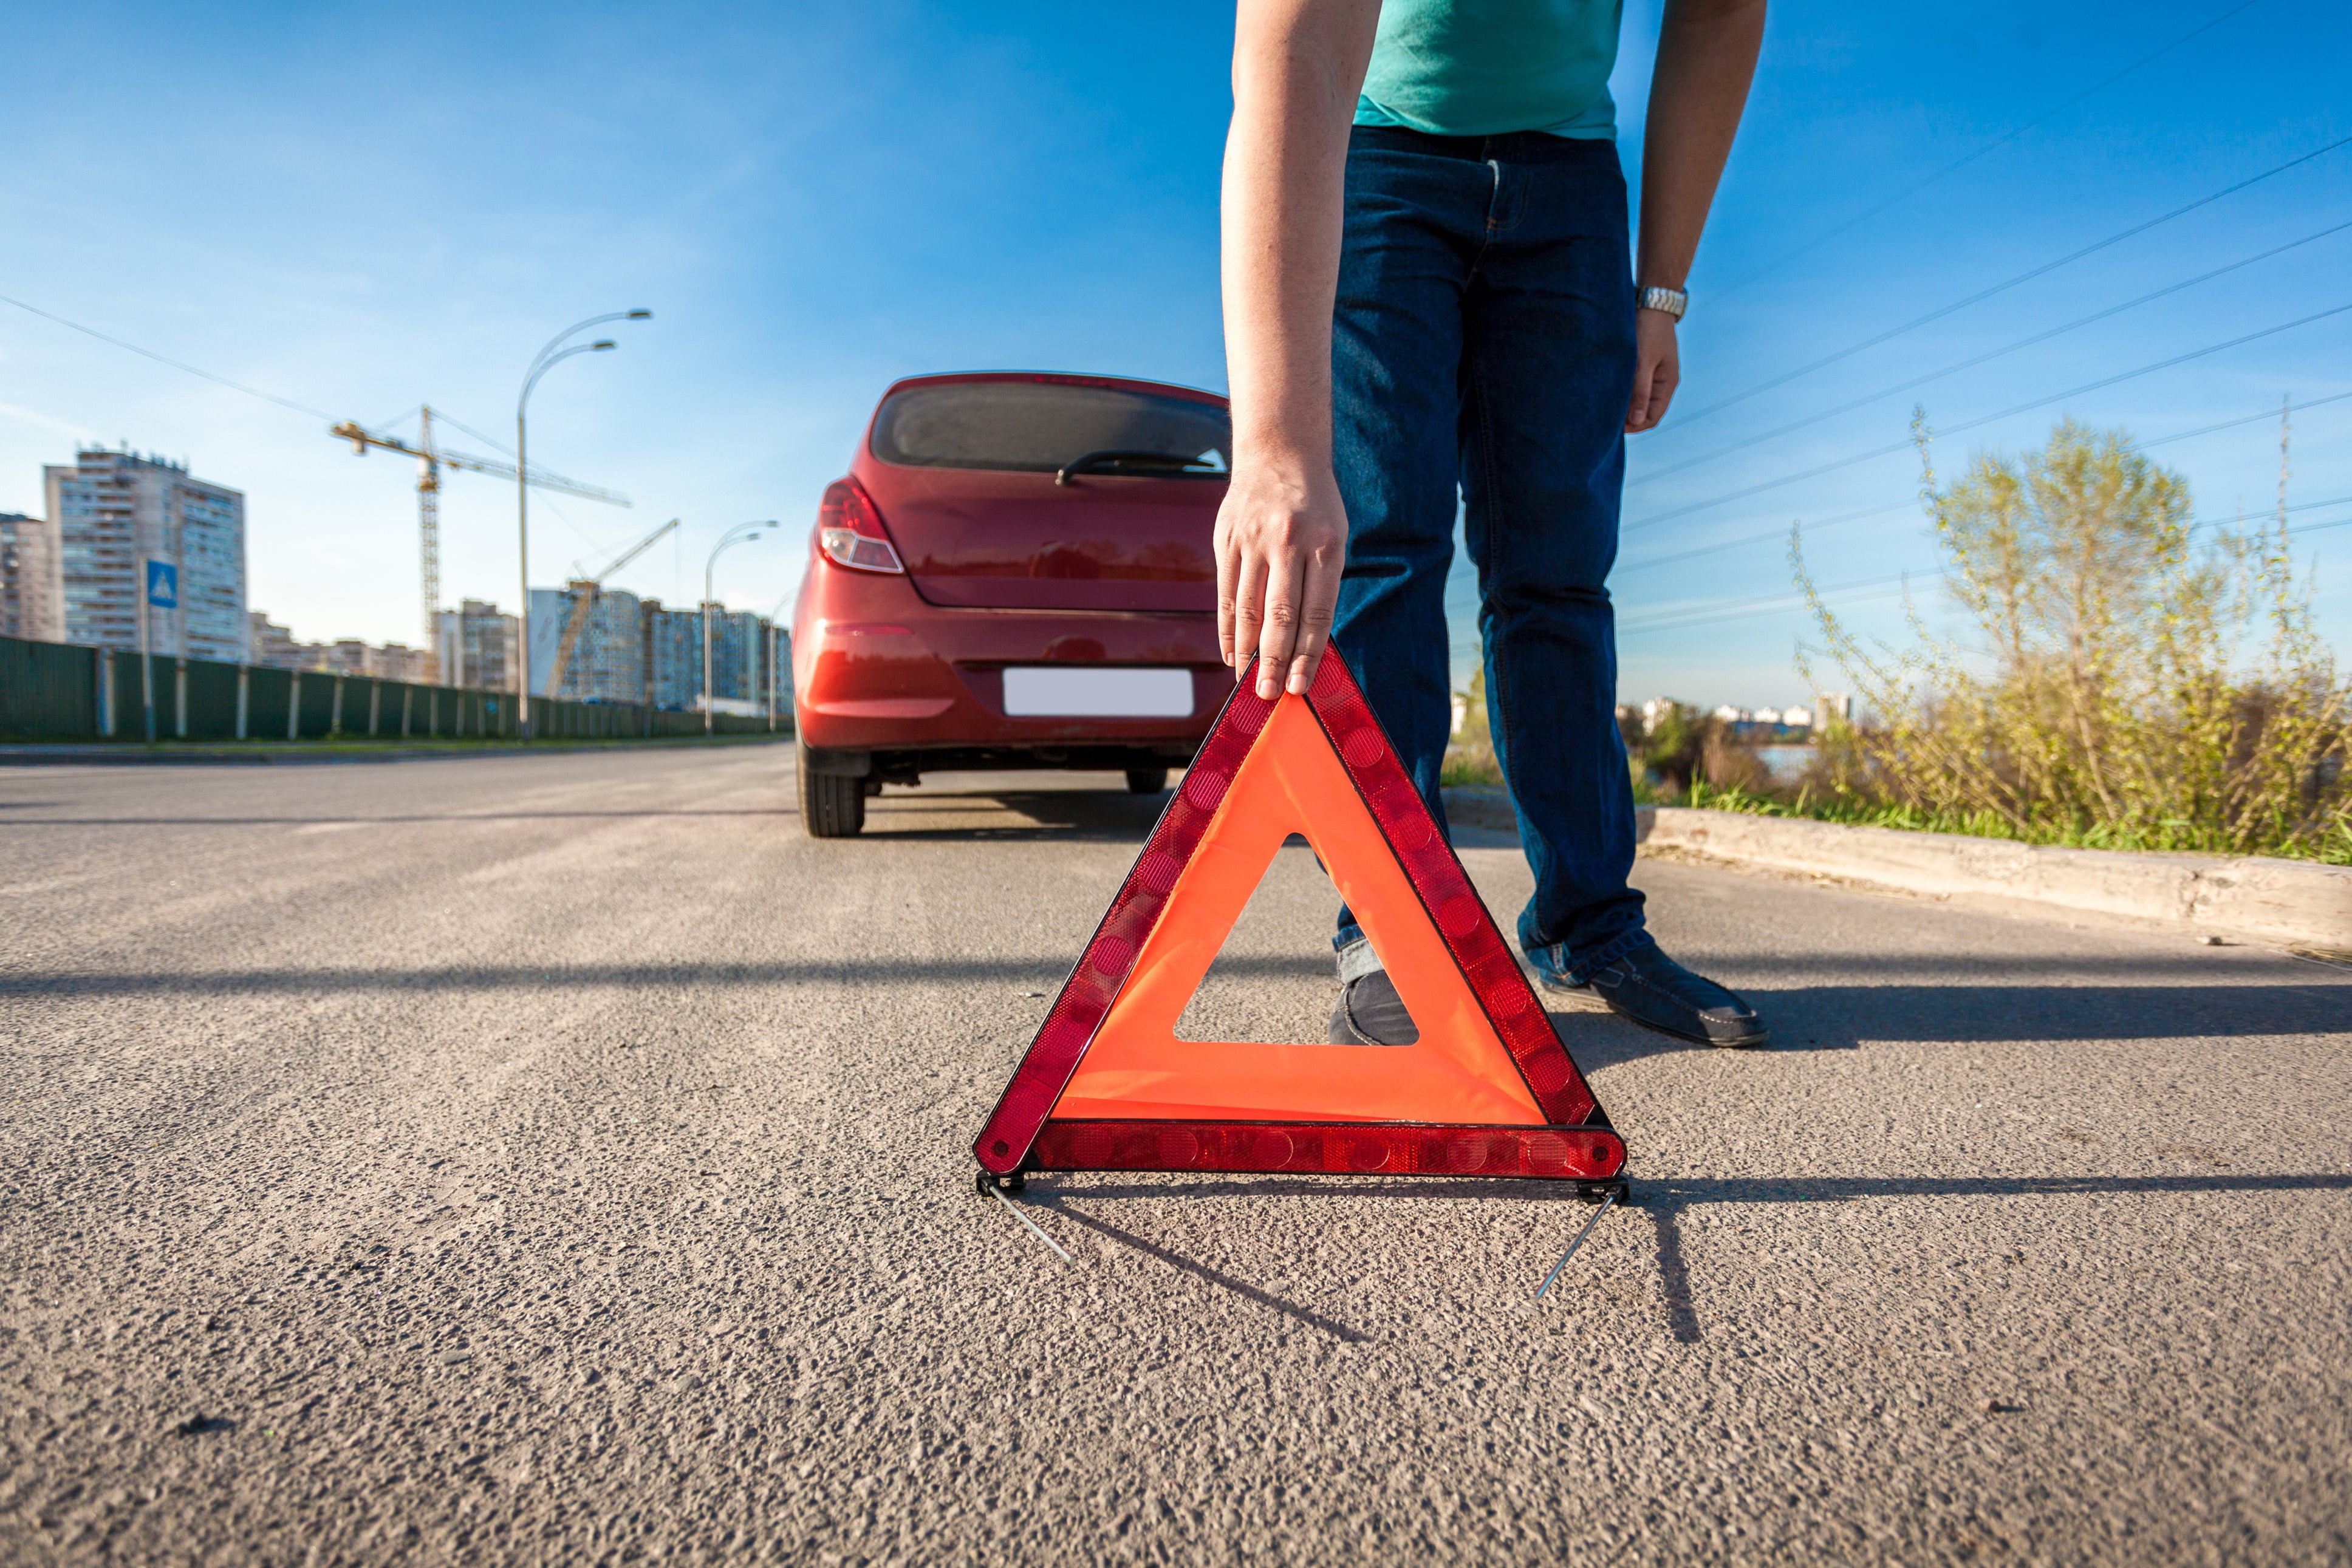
[[1470, 758], [2127, 687]]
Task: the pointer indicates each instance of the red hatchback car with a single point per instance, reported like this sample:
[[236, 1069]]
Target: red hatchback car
[[1016, 573]]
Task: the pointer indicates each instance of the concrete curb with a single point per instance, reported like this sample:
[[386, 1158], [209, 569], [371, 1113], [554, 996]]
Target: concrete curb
[[2285, 901]]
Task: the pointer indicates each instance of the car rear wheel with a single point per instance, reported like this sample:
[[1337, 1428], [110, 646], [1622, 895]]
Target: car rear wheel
[[1146, 780], [832, 805]]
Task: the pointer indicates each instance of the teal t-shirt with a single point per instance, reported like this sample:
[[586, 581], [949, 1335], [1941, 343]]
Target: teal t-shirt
[[1485, 68]]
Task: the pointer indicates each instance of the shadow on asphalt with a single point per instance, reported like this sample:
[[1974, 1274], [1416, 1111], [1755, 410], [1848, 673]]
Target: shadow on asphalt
[[1041, 973], [1842, 1018], [369, 821], [1664, 1203], [1203, 1272], [1064, 816], [1838, 1016], [2202, 966]]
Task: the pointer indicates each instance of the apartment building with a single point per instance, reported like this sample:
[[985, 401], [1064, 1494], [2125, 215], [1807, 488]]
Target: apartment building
[[25, 550], [743, 651], [479, 647], [274, 646], [607, 663], [268, 643], [673, 657], [111, 513]]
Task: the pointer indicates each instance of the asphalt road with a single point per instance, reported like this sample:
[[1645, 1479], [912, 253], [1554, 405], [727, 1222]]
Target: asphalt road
[[561, 1159]]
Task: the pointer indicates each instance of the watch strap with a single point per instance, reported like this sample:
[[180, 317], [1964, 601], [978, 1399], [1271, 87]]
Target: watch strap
[[1672, 301]]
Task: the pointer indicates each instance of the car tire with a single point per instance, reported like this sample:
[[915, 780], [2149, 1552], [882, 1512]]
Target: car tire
[[1146, 780], [832, 805]]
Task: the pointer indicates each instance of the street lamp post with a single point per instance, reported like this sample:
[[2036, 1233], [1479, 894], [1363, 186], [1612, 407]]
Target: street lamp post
[[739, 533], [540, 367]]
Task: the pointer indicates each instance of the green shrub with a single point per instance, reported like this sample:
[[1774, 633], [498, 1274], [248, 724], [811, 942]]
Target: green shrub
[[2126, 687]]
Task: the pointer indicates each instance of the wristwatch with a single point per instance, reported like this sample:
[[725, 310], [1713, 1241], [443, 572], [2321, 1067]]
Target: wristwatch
[[1672, 301]]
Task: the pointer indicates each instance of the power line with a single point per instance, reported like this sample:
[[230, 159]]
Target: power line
[[489, 441], [1761, 538], [1777, 534], [1982, 294], [175, 364], [1993, 146], [1712, 605], [1780, 604], [2268, 414], [1987, 419], [1707, 612], [1966, 364]]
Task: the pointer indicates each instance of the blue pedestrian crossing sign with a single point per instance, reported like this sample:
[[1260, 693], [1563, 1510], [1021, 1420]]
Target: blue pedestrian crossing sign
[[162, 585]]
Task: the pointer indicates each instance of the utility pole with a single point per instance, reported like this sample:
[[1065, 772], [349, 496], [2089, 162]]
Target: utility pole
[[737, 535], [428, 535], [547, 358]]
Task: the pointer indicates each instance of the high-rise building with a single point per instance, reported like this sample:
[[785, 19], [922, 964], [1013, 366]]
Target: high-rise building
[[744, 648], [478, 647], [23, 578], [608, 657], [111, 513], [749, 654], [275, 646], [673, 657], [399, 662], [268, 643]]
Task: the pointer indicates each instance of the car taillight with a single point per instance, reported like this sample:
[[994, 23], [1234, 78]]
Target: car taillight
[[849, 530]]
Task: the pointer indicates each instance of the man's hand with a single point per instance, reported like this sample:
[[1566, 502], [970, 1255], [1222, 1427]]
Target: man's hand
[[1657, 370], [1282, 538], [1282, 533], [1706, 58]]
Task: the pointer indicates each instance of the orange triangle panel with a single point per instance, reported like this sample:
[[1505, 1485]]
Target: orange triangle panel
[[1486, 1090]]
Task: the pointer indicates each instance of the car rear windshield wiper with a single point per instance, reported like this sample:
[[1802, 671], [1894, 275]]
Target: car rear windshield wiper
[[1166, 464]]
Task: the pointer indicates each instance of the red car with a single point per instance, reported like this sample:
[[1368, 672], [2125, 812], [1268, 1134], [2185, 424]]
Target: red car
[[1016, 573]]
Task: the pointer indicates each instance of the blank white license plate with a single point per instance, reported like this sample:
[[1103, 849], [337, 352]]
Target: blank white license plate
[[1063, 691]]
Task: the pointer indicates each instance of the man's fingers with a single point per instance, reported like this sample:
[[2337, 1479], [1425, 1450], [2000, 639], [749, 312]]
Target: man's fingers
[[1318, 603], [1228, 597], [1249, 603], [1637, 410], [1662, 390], [1279, 635]]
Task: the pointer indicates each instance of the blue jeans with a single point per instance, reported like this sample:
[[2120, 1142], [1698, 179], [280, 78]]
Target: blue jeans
[[1483, 342]]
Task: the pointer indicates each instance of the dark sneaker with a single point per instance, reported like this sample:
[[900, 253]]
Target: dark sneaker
[[1369, 1013], [1657, 993]]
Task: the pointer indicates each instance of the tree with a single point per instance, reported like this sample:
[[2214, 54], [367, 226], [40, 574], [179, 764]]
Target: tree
[[2125, 684]]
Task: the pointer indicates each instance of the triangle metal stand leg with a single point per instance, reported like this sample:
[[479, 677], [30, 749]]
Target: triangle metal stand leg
[[1617, 1191], [992, 1186]]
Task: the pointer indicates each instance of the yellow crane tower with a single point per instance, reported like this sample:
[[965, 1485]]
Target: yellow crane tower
[[585, 592], [430, 461]]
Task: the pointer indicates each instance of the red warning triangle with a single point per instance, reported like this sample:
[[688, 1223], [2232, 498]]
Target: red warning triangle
[[1486, 1090]]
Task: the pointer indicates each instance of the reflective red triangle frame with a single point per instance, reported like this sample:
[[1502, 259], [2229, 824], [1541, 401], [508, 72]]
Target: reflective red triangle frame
[[1576, 1143]]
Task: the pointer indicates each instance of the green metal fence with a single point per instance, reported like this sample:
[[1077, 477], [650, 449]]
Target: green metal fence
[[52, 691], [47, 688]]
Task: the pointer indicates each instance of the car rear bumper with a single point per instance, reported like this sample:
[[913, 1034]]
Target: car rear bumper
[[876, 669]]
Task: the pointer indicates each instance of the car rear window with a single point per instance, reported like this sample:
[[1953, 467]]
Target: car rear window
[[1040, 426]]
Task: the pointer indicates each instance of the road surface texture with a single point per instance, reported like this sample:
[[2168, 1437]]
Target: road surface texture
[[564, 1160]]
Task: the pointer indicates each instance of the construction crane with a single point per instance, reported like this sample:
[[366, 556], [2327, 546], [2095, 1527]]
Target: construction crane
[[584, 589], [430, 461]]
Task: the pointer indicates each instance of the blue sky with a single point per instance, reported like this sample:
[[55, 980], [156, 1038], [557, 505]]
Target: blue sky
[[360, 213]]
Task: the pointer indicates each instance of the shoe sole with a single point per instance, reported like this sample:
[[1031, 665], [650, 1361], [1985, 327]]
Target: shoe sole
[[1568, 989], [1745, 1042]]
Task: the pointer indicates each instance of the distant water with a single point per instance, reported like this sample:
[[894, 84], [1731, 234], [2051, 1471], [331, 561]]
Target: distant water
[[1786, 764], [1462, 612]]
